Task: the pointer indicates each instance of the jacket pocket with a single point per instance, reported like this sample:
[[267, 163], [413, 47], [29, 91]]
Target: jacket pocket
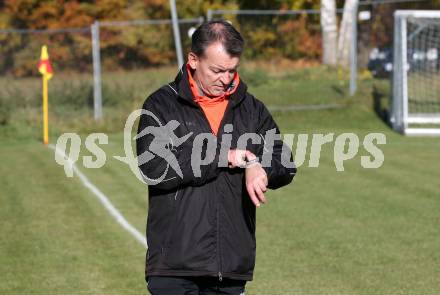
[[173, 199]]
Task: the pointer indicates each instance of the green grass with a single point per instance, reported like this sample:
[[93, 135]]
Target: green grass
[[361, 231], [56, 237]]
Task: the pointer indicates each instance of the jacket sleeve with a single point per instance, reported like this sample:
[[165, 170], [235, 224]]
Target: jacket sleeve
[[275, 155], [159, 171]]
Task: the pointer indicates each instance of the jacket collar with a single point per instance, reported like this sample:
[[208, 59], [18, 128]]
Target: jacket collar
[[184, 90]]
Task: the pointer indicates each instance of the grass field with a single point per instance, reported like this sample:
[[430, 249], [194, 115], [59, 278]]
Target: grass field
[[361, 231]]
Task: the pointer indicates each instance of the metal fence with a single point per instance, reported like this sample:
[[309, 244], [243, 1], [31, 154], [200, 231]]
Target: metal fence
[[285, 34], [154, 38], [102, 48], [271, 35]]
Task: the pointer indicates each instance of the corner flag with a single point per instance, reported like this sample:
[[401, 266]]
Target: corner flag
[[45, 68]]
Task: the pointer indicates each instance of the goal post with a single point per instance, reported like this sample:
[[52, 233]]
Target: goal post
[[415, 103]]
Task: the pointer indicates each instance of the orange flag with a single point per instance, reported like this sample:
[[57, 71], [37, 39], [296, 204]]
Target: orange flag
[[44, 66]]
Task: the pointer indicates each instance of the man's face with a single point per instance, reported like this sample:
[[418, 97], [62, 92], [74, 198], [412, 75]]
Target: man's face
[[214, 70]]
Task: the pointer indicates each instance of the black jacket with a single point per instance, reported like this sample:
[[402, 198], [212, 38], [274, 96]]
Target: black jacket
[[203, 225]]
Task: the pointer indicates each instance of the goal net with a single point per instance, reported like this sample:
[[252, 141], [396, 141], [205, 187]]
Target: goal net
[[415, 106]]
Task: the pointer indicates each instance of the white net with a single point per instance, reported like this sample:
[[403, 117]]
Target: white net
[[423, 45], [416, 97]]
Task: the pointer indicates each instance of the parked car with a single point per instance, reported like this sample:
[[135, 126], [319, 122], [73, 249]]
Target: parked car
[[380, 62]]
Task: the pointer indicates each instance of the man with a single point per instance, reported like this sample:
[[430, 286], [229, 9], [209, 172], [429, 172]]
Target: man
[[201, 217]]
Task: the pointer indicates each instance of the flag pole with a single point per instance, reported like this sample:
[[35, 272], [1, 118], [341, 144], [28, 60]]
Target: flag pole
[[45, 111], [45, 69]]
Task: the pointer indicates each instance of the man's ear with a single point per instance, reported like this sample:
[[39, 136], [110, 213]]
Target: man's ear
[[193, 60]]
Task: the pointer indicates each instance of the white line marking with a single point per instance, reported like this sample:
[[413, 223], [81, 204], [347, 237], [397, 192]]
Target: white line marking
[[105, 201]]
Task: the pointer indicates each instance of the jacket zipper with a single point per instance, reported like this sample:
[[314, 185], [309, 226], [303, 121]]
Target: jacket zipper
[[219, 272], [219, 258], [223, 121], [219, 133], [204, 118]]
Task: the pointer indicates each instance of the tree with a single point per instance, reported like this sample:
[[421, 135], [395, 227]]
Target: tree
[[346, 31], [329, 32]]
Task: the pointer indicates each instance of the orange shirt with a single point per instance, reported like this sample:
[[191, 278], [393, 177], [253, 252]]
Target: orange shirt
[[213, 107]]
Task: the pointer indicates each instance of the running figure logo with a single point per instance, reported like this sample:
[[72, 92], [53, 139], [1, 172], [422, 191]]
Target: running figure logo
[[163, 145]]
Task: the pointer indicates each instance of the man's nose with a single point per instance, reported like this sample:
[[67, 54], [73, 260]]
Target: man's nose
[[226, 78]]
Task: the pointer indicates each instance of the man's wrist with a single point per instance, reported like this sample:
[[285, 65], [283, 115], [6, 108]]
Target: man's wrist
[[250, 156], [252, 162]]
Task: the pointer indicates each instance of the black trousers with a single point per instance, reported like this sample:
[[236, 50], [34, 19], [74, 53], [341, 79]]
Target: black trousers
[[158, 285]]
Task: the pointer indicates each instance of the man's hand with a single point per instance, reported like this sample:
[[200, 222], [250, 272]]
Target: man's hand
[[238, 158], [256, 183], [256, 178]]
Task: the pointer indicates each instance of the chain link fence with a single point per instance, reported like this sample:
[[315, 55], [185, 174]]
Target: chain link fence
[[125, 50], [143, 44], [278, 43], [71, 87], [274, 34]]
